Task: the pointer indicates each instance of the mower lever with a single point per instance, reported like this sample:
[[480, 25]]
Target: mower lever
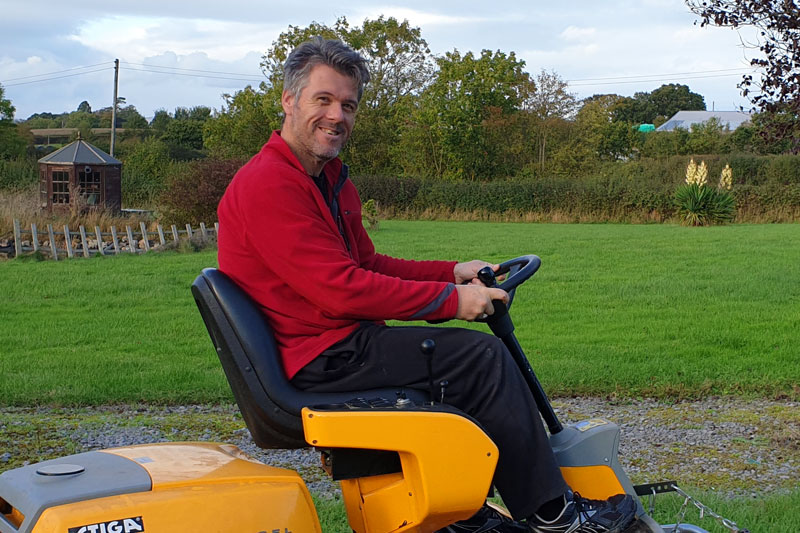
[[427, 348]]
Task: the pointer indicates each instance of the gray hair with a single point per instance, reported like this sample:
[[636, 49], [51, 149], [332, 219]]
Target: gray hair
[[319, 51]]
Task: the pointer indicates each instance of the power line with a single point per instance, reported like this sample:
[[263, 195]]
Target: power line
[[190, 69], [740, 69], [56, 77], [193, 75], [671, 78], [56, 72]]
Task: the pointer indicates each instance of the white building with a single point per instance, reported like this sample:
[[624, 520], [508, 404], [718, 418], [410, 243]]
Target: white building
[[687, 119]]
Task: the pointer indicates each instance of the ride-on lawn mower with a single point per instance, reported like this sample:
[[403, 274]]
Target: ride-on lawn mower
[[392, 450]]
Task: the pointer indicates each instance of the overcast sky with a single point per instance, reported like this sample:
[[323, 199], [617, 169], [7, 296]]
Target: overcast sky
[[598, 46]]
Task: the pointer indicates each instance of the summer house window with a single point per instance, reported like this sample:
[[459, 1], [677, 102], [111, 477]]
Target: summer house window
[[89, 185], [60, 187]]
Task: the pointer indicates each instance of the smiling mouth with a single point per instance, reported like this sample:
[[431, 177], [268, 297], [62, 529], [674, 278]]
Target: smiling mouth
[[329, 131]]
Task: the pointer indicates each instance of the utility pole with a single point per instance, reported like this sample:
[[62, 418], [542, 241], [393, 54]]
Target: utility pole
[[114, 107]]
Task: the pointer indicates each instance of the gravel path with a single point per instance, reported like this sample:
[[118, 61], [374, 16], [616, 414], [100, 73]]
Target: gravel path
[[734, 446]]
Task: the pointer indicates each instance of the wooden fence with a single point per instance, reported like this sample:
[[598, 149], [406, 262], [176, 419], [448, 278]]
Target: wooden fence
[[69, 243]]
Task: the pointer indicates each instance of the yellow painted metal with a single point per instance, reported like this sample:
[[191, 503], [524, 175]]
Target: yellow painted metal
[[594, 482], [187, 464], [196, 487], [448, 463]]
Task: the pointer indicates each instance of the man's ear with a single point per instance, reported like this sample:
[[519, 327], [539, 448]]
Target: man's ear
[[287, 102]]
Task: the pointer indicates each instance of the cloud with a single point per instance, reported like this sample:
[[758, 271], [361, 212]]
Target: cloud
[[138, 37], [424, 19], [574, 33]]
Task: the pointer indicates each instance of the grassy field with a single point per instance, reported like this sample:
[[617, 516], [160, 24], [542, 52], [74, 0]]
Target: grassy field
[[616, 310], [662, 311]]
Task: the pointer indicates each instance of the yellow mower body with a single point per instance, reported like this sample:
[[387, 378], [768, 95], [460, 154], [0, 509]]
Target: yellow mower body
[[190, 487]]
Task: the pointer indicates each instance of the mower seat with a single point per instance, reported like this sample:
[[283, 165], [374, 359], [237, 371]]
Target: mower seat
[[269, 404]]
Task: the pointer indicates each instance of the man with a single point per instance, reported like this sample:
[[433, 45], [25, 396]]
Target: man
[[291, 236]]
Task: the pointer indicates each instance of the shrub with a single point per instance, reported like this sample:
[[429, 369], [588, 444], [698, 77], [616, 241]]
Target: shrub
[[369, 212], [700, 205], [144, 173], [18, 174], [195, 190]]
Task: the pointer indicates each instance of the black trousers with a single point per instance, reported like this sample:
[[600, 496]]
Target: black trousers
[[484, 382]]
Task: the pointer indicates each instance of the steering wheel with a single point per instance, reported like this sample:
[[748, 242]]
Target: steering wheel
[[519, 270]]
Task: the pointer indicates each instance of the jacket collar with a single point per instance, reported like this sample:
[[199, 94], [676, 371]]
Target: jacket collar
[[333, 168]]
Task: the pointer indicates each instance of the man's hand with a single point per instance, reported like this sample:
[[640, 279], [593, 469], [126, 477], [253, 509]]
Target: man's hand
[[475, 300], [469, 270]]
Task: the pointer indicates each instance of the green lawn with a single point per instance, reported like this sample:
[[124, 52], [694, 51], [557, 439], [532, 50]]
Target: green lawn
[[648, 310], [652, 310]]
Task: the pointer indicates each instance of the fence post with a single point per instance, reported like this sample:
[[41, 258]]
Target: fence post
[[203, 231], [99, 236], [35, 237], [145, 237], [161, 235], [83, 241], [52, 241], [68, 242], [17, 238], [189, 230], [216, 229], [115, 239], [131, 242], [175, 236]]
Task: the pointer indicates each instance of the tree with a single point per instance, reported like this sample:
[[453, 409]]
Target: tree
[[548, 103], [607, 139], [778, 90], [243, 125], [84, 107], [160, 121], [707, 137], [128, 117], [199, 113], [656, 107], [447, 135], [12, 144], [671, 98], [6, 109], [184, 133]]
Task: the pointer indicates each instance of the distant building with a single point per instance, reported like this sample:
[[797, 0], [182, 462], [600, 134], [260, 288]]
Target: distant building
[[687, 119], [59, 135], [80, 173]]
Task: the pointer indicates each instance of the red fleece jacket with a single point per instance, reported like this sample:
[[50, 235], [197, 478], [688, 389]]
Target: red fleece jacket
[[279, 242]]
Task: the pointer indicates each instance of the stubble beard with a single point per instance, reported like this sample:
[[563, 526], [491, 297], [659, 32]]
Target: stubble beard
[[320, 151]]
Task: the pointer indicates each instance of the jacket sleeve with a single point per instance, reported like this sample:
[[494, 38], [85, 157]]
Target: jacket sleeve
[[290, 233], [392, 266]]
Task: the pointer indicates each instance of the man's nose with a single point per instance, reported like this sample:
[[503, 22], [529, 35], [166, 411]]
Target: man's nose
[[335, 112]]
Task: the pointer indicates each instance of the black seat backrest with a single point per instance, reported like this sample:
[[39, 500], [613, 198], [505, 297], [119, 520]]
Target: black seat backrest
[[270, 405]]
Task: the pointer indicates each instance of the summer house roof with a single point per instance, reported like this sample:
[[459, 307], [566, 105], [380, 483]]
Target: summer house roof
[[82, 153]]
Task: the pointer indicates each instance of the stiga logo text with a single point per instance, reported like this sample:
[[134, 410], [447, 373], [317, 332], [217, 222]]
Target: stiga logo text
[[123, 525]]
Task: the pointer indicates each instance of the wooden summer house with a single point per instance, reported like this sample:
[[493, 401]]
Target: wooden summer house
[[80, 174]]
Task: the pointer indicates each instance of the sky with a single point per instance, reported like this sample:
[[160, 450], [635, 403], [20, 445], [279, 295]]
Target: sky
[[176, 53]]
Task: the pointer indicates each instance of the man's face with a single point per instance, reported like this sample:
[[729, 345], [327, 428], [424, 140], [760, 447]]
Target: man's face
[[319, 122]]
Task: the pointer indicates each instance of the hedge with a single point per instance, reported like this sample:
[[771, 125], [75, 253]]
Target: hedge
[[767, 188]]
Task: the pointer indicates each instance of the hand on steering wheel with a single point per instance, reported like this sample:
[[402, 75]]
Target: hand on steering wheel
[[520, 269]]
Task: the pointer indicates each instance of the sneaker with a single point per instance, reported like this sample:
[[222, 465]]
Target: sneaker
[[588, 516], [488, 519]]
